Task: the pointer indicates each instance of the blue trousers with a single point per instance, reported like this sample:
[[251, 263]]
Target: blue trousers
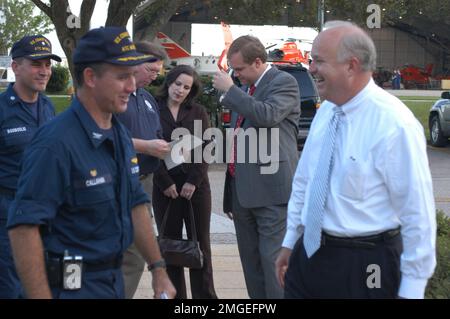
[[105, 284], [9, 281]]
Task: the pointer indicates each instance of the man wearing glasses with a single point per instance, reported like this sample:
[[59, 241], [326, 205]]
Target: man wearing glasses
[[142, 119]]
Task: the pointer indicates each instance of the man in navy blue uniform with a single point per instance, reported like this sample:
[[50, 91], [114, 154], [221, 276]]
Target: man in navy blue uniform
[[142, 119], [23, 108], [79, 201]]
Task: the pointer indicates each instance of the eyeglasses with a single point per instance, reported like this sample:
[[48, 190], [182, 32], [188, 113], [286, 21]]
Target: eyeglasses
[[152, 70]]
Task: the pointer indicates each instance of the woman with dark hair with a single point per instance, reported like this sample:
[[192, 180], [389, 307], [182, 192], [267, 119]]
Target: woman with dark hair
[[186, 182]]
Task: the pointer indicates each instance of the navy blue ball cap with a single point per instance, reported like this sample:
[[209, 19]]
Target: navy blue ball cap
[[109, 45], [33, 47]]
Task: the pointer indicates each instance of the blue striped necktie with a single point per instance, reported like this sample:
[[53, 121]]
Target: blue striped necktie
[[320, 186]]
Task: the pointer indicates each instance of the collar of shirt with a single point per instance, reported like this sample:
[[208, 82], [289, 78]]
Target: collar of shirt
[[351, 106], [87, 122], [139, 91], [12, 98], [262, 75]]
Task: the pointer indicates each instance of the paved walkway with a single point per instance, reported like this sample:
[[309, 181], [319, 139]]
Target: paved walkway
[[228, 276], [433, 93]]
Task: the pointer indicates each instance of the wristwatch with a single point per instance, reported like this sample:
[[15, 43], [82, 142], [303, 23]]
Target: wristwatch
[[157, 264]]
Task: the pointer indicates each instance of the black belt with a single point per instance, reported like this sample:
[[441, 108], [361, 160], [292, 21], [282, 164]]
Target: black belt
[[89, 266], [112, 264], [363, 241], [7, 191]]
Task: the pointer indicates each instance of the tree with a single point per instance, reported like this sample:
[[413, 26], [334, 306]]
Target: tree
[[20, 20], [59, 80], [157, 13], [71, 28]]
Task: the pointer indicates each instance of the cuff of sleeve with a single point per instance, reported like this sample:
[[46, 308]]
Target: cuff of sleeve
[[29, 213], [143, 198], [162, 181], [290, 239], [412, 288], [194, 180], [222, 97]]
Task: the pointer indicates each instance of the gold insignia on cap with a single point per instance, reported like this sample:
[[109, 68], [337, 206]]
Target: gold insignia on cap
[[121, 36], [127, 48], [134, 160], [93, 172]]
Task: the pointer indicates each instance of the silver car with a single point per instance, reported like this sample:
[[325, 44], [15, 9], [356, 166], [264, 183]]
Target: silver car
[[439, 121]]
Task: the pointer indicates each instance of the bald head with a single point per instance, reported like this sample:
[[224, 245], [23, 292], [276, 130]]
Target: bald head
[[351, 41], [343, 59]]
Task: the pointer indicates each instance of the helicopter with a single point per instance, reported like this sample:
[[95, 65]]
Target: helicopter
[[204, 65], [289, 52]]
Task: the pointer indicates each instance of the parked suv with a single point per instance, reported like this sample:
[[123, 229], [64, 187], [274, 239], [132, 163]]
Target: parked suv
[[309, 98], [439, 121]]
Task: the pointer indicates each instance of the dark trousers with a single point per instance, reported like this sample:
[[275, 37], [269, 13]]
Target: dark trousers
[[10, 287], [345, 271], [104, 284], [202, 283], [259, 233]]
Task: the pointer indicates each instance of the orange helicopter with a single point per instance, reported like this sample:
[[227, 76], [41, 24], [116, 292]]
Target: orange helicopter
[[289, 53]]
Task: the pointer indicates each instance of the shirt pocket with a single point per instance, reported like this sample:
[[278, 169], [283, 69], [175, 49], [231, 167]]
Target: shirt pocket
[[18, 138], [96, 212], [91, 196], [354, 180]]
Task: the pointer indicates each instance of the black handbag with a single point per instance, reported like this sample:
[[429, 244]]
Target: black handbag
[[181, 252]]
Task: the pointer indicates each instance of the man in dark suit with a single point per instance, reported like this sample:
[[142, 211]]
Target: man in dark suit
[[257, 187]]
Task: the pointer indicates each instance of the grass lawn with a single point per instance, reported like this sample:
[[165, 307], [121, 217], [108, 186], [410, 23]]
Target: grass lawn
[[420, 110], [428, 98], [60, 102], [417, 105]]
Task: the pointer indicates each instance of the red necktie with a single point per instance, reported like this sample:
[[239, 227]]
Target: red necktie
[[240, 119]]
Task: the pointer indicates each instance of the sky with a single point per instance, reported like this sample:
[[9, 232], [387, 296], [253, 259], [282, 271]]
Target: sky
[[207, 39], [98, 20]]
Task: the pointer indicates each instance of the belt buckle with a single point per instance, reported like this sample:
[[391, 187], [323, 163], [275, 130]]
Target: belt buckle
[[391, 234]]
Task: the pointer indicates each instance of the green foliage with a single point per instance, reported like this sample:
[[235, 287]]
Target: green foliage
[[305, 12], [61, 103], [209, 100], [421, 110], [59, 80], [443, 224], [439, 285], [21, 20]]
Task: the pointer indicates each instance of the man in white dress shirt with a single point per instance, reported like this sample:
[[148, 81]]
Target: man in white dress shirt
[[378, 229]]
